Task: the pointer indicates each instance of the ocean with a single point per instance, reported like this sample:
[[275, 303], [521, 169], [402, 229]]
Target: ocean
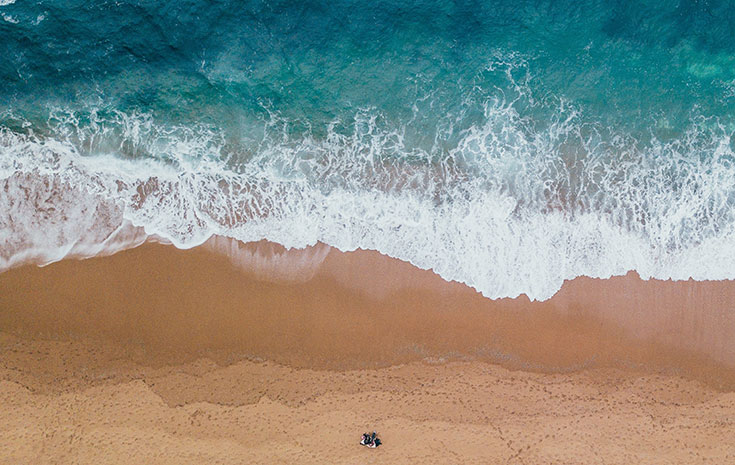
[[507, 145]]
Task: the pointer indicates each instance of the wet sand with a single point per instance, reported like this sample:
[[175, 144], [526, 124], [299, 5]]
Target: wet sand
[[159, 355]]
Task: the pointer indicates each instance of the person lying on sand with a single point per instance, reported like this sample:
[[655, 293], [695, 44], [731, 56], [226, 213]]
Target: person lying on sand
[[370, 440]]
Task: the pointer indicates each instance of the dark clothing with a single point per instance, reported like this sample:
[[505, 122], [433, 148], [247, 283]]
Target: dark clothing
[[370, 440]]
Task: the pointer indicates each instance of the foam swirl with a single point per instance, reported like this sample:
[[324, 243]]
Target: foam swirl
[[510, 209]]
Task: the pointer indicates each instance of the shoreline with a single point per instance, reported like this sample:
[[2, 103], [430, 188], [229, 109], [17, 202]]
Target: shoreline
[[180, 356], [362, 309]]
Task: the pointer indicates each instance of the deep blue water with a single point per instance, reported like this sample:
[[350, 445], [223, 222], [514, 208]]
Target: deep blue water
[[622, 63], [505, 144]]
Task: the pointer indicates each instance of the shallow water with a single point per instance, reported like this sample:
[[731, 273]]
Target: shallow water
[[506, 145]]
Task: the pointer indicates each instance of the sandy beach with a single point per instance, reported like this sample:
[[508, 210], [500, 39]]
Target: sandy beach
[[249, 232], [158, 355], [70, 402]]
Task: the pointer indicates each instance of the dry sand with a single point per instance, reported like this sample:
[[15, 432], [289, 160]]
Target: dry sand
[[156, 355]]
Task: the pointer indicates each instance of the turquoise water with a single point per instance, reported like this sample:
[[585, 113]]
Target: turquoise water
[[508, 145]]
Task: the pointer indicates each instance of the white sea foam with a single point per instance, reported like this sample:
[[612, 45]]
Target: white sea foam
[[512, 209]]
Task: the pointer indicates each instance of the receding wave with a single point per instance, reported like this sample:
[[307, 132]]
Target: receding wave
[[509, 207]]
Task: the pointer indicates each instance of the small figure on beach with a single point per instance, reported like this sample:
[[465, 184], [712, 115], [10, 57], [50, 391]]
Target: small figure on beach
[[370, 440]]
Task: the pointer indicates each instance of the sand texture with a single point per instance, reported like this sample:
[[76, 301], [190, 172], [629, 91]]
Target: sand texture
[[98, 407], [156, 355]]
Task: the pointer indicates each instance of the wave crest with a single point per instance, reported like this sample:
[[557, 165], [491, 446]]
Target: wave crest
[[506, 205]]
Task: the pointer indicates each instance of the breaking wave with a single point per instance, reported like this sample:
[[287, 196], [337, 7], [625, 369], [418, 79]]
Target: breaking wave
[[502, 204]]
